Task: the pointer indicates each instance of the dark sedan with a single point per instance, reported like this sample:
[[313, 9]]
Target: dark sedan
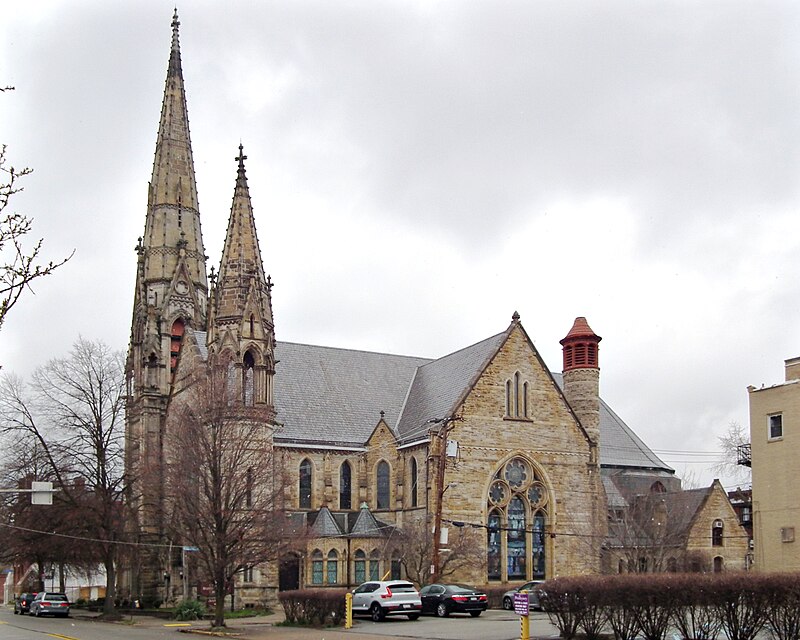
[[444, 599], [22, 603]]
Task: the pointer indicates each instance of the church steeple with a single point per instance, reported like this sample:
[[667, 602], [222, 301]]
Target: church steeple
[[240, 317], [173, 217]]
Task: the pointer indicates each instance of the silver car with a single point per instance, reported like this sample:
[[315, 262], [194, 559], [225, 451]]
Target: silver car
[[47, 603], [533, 599], [379, 599]]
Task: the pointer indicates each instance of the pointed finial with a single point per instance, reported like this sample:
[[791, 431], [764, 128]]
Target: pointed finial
[[383, 413], [175, 24], [212, 277], [515, 317], [139, 247]]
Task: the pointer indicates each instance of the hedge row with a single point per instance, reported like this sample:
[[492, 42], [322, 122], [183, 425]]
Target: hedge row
[[695, 606], [315, 607]]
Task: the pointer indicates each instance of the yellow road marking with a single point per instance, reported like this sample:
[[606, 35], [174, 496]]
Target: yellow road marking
[[58, 635], [178, 624]]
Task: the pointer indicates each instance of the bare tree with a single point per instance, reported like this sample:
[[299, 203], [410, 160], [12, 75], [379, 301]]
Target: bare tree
[[73, 411], [21, 264], [221, 489], [734, 443], [464, 549]]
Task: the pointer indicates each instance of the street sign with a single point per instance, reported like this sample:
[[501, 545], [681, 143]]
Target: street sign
[[521, 603], [191, 548], [41, 493]]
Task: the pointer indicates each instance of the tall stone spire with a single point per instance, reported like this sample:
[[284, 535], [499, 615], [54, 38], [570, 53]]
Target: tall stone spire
[[171, 294], [240, 318]]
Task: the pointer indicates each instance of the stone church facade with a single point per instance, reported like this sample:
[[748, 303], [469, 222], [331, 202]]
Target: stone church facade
[[485, 442]]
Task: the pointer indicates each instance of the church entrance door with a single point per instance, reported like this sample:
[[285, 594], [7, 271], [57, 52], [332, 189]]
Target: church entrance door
[[289, 573]]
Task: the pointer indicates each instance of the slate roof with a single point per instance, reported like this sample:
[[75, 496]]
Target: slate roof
[[326, 524], [619, 445], [333, 397]]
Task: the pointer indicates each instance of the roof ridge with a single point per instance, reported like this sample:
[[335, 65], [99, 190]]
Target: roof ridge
[[351, 350]]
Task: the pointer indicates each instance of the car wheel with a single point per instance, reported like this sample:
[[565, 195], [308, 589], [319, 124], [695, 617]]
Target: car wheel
[[413, 616], [442, 610], [38, 613], [475, 614], [377, 612], [508, 604]]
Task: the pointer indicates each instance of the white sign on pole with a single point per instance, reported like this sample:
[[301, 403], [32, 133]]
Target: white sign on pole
[[41, 493]]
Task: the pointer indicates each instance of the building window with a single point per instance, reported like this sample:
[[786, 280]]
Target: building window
[[176, 338], [516, 548], [509, 396], [360, 566], [395, 567], [333, 567], [747, 514], [657, 487], [718, 564], [413, 483], [383, 485], [316, 567], [642, 565], [305, 484], [248, 574], [516, 397], [345, 486], [374, 565], [775, 426], [787, 534], [716, 533], [248, 379], [248, 488]]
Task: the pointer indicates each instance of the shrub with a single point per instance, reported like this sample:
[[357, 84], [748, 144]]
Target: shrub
[[189, 610], [693, 614], [620, 614], [562, 601], [741, 604], [653, 601], [317, 607]]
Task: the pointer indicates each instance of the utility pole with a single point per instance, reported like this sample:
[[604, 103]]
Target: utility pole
[[444, 430]]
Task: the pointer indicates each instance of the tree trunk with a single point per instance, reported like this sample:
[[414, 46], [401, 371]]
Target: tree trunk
[[219, 608], [111, 584]]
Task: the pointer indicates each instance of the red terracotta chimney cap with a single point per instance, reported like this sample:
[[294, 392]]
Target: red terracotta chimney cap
[[580, 329]]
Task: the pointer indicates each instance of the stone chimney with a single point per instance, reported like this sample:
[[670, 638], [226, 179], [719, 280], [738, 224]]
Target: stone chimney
[[581, 371]]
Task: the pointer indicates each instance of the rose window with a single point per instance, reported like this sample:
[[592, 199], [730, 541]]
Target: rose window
[[517, 473], [499, 493]]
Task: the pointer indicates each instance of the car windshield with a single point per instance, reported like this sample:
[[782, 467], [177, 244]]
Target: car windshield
[[402, 587], [56, 597]]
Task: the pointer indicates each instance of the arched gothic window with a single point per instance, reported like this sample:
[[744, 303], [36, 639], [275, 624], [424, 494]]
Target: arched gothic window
[[333, 567], [305, 484], [413, 483], [518, 504], [383, 494], [360, 566], [248, 379], [345, 486], [176, 339], [316, 567], [374, 565], [517, 397]]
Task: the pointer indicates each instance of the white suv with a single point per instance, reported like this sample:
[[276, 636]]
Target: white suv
[[379, 599]]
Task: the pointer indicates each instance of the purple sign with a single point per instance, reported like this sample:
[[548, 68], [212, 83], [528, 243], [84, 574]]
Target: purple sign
[[521, 604]]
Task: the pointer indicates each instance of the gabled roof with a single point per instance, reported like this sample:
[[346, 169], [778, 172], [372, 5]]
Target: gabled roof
[[440, 385], [335, 396], [324, 524], [366, 526]]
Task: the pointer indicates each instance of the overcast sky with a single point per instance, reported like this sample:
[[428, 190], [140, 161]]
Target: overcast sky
[[421, 170]]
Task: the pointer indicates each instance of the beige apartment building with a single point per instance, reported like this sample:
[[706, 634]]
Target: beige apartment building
[[774, 420]]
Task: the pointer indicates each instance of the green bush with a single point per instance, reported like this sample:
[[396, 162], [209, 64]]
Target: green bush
[[316, 607], [189, 610]]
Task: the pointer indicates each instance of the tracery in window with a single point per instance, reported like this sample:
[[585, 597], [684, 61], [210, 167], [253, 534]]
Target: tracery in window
[[305, 484], [518, 503], [383, 493], [316, 567]]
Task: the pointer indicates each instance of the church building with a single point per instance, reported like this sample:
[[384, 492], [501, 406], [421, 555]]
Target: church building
[[484, 447]]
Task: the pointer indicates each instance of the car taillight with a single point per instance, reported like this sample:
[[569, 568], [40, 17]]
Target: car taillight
[[388, 593], [460, 598], [482, 597]]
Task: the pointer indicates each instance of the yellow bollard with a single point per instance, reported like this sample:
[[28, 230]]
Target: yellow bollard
[[525, 628], [348, 610]]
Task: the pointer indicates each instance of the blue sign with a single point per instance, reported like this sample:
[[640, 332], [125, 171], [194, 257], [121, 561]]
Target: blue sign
[[191, 548], [521, 603]]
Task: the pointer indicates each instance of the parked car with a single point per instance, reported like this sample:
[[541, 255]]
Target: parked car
[[444, 599], [533, 599], [22, 603], [379, 599], [48, 603]]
